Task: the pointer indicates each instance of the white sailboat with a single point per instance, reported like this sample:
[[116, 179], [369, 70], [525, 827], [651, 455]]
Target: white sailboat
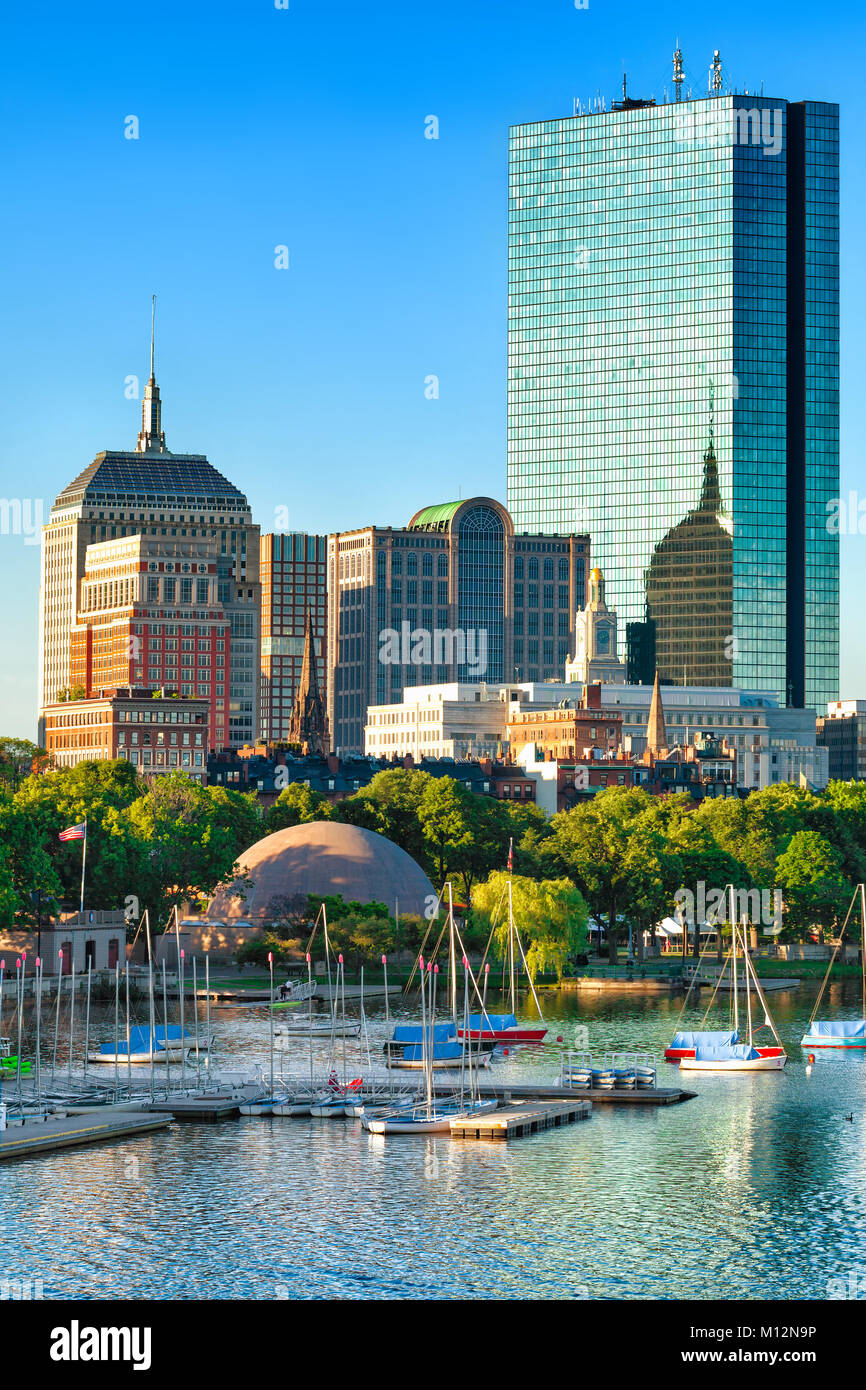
[[431, 1117], [740, 1056]]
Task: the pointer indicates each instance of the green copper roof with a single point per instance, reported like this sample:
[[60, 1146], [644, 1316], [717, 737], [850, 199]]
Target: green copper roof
[[434, 518]]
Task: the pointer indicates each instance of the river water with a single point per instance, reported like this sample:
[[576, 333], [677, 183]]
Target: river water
[[756, 1189]]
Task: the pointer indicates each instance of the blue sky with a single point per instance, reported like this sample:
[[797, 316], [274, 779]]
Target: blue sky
[[305, 127]]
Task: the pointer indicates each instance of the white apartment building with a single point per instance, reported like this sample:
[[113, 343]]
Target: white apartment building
[[773, 744]]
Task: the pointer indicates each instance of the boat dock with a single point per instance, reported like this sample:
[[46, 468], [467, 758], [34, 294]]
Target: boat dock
[[653, 1095], [519, 1119], [62, 1131]]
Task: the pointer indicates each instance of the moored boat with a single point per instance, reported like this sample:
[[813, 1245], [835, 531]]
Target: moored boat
[[424, 1119], [731, 1057], [735, 1056], [845, 1033], [501, 1028], [685, 1044], [145, 1046]]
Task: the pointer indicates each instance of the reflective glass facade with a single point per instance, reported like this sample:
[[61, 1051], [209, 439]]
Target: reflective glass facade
[[673, 376]]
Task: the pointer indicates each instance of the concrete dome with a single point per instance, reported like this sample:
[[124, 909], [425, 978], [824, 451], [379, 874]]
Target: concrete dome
[[323, 857]]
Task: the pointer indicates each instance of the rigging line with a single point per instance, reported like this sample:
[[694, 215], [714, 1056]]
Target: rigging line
[[137, 931], [692, 985], [528, 976], [423, 946], [492, 928], [833, 957]]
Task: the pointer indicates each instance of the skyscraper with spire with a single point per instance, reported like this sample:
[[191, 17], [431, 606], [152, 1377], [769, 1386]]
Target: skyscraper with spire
[[655, 248], [150, 578]]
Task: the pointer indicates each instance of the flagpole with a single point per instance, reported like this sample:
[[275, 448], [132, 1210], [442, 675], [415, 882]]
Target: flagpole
[[83, 862]]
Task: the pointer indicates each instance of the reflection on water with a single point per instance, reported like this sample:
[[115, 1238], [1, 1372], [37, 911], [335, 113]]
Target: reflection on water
[[756, 1189]]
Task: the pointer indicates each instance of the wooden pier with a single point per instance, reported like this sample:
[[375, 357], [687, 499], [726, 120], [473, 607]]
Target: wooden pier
[[518, 1120], [62, 1131]]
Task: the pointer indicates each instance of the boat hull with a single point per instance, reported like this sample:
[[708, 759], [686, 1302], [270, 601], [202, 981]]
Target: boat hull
[[676, 1054], [420, 1123], [442, 1064], [504, 1035], [846, 1044], [774, 1063]]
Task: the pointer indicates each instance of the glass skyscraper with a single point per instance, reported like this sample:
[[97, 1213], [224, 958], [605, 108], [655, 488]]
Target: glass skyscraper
[[673, 376]]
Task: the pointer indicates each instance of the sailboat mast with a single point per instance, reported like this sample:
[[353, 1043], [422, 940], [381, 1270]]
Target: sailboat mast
[[151, 1006], [424, 1032], [452, 958], [863, 945], [747, 962], [431, 1052], [271, 1015], [733, 921], [511, 991]]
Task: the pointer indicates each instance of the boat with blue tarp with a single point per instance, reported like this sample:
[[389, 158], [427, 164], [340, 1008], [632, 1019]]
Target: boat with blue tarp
[[843, 1032]]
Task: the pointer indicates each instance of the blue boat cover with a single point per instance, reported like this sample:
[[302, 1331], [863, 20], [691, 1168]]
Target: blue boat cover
[[696, 1039], [442, 1051], [139, 1039], [494, 1023], [846, 1028], [725, 1052], [414, 1032]]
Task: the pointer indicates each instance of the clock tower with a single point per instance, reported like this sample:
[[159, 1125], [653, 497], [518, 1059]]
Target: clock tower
[[595, 658]]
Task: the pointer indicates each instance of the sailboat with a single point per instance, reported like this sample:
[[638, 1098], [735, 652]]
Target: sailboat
[[842, 1032], [431, 1117], [739, 1056], [685, 1043], [504, 1028], [148, 1045], [327, 1025]]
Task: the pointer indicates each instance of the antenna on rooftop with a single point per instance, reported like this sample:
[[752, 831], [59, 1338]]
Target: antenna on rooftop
[[624, 94], [678, 73], [716, 73]]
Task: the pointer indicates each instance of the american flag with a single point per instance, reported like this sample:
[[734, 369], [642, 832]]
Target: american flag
[[74, 832], [510, 855]]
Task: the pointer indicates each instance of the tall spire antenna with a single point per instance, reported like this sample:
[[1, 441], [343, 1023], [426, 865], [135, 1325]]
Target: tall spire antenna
[[678, 72], [151, 438]]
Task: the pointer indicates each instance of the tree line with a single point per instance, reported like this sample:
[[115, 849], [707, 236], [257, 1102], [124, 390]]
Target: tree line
[[620, 856]]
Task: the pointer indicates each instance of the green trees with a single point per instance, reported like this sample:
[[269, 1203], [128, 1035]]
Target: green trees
[[550, 915], [591, 842], [183, 840], [296, 804], [810, 874], [17, 759]]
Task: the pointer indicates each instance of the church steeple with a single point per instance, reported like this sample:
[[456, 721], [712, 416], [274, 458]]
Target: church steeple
[[151, 439], [309, 723], [656, 733]]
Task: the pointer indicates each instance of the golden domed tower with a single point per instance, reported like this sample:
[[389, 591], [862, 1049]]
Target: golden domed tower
[[595, 658]]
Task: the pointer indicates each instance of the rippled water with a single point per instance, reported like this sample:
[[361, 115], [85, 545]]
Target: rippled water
[[756, 1189]]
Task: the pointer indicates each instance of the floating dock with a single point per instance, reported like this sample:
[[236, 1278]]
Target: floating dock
[[61, 1132], [517, 1120], [653, 1095]]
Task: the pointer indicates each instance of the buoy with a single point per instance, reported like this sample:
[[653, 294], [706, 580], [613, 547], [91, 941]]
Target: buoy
[[811, 1058], [505, 1051], [559, 1039]]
